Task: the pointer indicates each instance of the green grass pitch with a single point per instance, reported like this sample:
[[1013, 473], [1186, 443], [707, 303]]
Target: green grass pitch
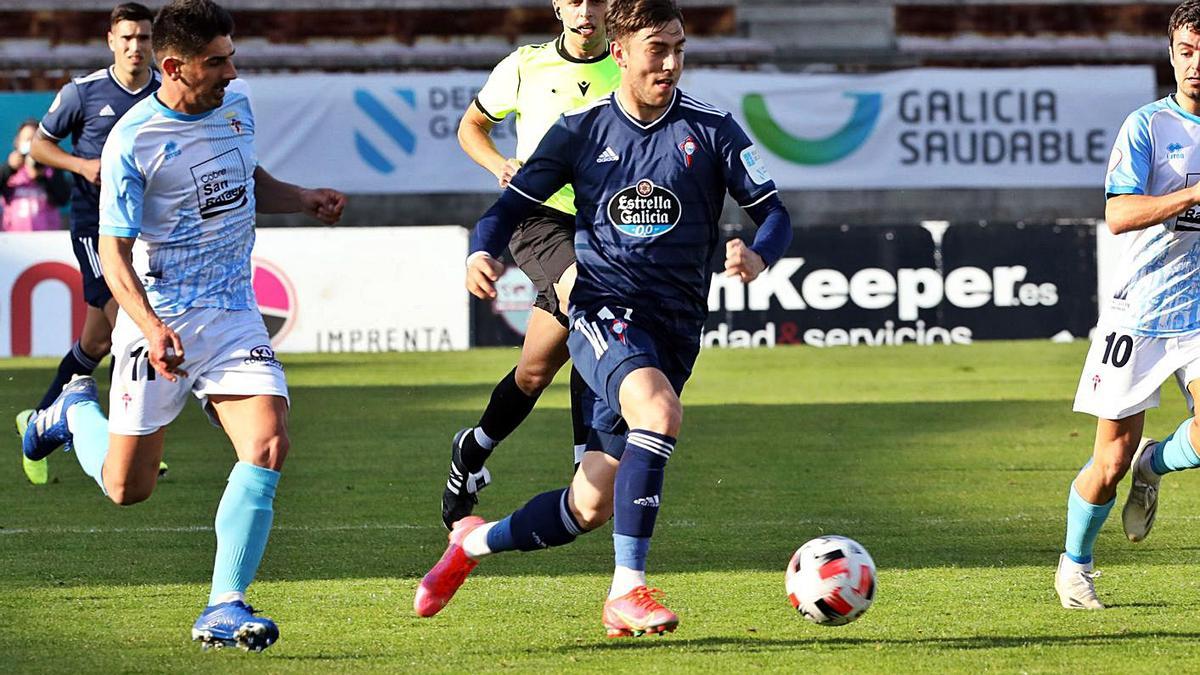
[[950, 464]]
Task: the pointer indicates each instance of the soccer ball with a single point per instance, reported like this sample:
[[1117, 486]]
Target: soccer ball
[[831, 580]]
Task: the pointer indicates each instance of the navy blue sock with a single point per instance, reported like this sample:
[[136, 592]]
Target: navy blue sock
[[76, 362], [638, 486], [545, 521]]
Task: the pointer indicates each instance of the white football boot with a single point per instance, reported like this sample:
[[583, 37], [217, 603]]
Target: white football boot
[[1142, 504], [1076, 584]]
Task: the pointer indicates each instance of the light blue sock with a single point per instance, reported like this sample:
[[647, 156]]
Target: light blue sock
[[630, 551], [243, 525], [89, 438], [1084, 521], [1175, 452]]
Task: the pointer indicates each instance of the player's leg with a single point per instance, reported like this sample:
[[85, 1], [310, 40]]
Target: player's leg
[[544, 249], [652, 409], [1153, 460], [83, 356], [553, 518], [1089, 502], [544, 352], [257, 427]]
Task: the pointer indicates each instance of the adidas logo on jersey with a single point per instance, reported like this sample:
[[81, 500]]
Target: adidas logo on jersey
[[609, 155], [650, 502], [107, 111]]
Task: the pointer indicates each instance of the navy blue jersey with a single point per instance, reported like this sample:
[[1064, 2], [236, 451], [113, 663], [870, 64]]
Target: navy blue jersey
[[85, 110], [648, 197]]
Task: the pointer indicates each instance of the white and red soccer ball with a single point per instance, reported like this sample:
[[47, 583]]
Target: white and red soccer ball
[[831, 580]]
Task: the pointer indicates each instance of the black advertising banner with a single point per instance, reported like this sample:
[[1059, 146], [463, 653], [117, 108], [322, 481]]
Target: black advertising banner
[[878, 286]]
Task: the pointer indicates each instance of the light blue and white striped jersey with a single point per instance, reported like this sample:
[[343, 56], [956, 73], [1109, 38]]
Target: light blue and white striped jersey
[[184, 186], [1157, 152]]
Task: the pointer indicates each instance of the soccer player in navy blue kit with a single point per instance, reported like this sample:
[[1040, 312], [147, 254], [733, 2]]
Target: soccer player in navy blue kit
[[650, 166], [85, 110]]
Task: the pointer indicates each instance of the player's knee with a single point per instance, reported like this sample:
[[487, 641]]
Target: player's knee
[[1112, 469], [275, 450], [97, 347], [593, 515], [662, 414], [127, 494], [533, 379]]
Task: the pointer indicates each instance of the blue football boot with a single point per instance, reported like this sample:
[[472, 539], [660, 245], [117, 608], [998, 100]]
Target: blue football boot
[[233, 624], [47, 430]]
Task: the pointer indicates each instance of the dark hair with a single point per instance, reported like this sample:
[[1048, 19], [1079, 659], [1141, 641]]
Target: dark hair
[[130, 11], [626, 17], [29, 122], [187, 26], [1186, 15]]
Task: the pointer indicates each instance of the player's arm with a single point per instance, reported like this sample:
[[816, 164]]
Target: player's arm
[[272, 195], [749, 182], [549, 168], [65, 115], [1126, 183], [475, 138], [163, 344], [770, 242], [1131, 212], [46, 150], [496, 100]]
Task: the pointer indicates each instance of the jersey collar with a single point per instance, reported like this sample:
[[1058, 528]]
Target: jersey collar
[[561, 46], [132, 92], [1174, 105], [645, 126], [176, 115]]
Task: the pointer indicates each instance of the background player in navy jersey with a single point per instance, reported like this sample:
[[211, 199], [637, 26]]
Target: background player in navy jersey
[[85, 110], [650, 166]]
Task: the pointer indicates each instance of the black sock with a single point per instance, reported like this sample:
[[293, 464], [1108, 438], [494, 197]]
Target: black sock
[[507, 409], [76, 362]]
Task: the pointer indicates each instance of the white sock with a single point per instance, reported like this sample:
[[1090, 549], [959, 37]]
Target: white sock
[[625, 580], [484, 440], [475, 543], [231, 596]]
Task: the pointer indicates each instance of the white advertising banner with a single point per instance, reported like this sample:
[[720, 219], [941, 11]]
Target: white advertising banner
[[319, 289], [371, 133], [934, 128], [922, 128]]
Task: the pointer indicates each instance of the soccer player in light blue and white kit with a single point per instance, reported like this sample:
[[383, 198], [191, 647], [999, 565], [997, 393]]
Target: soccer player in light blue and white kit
[[1149, 328], [180, 184]]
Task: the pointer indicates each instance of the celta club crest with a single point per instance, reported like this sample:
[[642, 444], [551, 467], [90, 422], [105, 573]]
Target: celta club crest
[[618, 329], [1095, 382], [236, 125], [688, 148]]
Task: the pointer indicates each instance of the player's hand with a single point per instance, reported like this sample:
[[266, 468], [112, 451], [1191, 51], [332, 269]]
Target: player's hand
[[166, 352], [742, 261], [324, 204], [15, 160], [90, 170], [482, 273], [510, 169]]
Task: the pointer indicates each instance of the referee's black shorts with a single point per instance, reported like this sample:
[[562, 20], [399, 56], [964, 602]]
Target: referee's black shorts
[[544, 247]]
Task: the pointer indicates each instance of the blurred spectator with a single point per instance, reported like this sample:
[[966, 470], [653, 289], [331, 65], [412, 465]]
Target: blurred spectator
[[31, 193]]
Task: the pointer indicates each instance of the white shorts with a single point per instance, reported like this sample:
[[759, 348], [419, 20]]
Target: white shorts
[[1124, 372], [225, 352]]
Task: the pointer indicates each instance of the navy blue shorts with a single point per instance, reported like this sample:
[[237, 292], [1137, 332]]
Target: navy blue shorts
[[87, 252], [609, 342]]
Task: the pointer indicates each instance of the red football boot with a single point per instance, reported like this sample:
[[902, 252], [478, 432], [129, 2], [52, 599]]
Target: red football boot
[[638, 612], [449, 573]]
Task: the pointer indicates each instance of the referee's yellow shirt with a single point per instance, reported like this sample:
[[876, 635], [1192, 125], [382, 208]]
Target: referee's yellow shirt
[[539, 83]]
